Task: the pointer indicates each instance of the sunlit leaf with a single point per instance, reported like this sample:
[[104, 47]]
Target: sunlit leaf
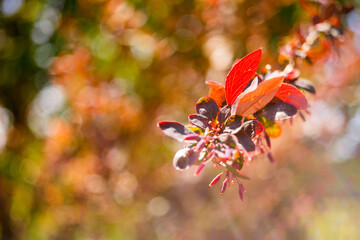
[[245, 141], [240, 75], [229, 139], [253, 101], [195, 129], [279, 111], [252, 128], [290, 94], [252, 86], [232, 123], [207, 107], [224, 114], [175, 130], [217, 92], [199, 120], [239, 159]]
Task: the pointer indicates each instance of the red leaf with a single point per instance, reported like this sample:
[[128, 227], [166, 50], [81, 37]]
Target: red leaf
[[217, 92], [240, 75], [253, 101], [290, 94]]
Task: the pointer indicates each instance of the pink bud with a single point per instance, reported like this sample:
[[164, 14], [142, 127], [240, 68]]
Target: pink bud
[[222, 156], [262, 150], [241, 194], [268, 142], [271, 158], [302, 116], [199, 169], [192, 137], [200, 145], [223, 187], [294, 74], [216, 179], [242, 188], [211, 153]]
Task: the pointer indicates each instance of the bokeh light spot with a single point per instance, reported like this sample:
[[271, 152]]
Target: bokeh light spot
[[10, 7], [158, 206]]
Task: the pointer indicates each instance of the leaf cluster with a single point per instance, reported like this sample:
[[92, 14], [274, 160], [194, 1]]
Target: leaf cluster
[[235, 122]]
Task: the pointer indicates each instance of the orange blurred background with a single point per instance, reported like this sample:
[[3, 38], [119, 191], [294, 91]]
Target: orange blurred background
[[84, 82]]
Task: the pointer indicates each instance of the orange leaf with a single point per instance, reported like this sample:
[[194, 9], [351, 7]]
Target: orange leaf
[[249, 103], [217, 92]]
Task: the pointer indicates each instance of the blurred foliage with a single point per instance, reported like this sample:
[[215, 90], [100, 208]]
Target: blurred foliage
[[83, 84]]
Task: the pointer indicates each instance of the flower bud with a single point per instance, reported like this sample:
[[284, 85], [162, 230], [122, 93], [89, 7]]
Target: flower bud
[[200, 145], [192, 137], [199, 169], [223, 187], [216, 179]]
